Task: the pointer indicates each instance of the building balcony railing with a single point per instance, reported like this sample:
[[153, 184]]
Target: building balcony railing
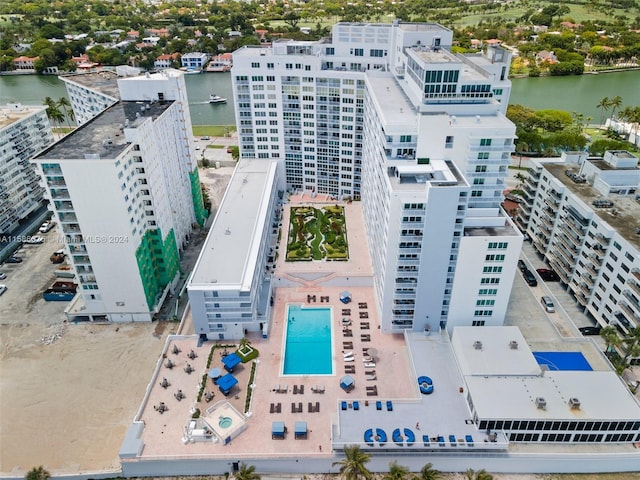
[[591, 271], [552, 202], [547, 223], [635, 286], [635, 303], [573, 227], [624, 306]]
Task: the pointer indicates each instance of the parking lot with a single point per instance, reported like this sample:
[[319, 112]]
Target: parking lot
[[22, 303]]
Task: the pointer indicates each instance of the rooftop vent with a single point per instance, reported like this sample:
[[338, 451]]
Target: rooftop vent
[[477, 345], [541, 403], [513, 345], [227, 231], [574, 403]]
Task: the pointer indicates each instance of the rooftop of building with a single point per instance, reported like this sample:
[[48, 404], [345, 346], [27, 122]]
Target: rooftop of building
[[14, 112], [104, 82], [624, 216], [103, 136], [505, 379], [395, 108], [422, 27], [230, 251], [508, 230]]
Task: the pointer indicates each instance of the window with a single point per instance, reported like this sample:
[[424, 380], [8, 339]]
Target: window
[[478, 181], [376, 52], [448, 143], [498, 245], [330, 51], [477, 323], [483, 155], [476, 193], [255, 64], [481, 168], [485, 142]]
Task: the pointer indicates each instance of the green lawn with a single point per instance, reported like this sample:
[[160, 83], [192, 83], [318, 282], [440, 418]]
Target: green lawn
[[215, 146], [213, 130]]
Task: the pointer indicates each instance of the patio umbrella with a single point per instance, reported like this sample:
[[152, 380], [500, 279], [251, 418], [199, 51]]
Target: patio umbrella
[[372, 352], [345, 297], [215, 373], [347, 383]]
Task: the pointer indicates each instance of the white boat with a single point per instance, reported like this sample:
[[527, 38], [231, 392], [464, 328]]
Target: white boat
[[213, 98]]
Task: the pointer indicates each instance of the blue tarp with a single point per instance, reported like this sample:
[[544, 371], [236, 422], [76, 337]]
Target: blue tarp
[[277, 429], [226, 383], [230, 361]]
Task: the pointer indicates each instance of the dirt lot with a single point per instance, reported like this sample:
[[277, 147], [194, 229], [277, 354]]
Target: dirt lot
[[69, 392]]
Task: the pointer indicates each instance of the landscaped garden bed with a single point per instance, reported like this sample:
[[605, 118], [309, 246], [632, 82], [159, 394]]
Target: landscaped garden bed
[[317, 234]]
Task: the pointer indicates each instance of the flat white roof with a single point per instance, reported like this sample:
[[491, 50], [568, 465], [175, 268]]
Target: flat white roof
[[504, 382], [394, 106], [229, 255], [602, 396], [495, 355]]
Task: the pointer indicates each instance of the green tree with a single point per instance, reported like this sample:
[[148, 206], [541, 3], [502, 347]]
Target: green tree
[[610, 336], [479, 475], [396, 472], [353, 466], [37, 473], [603, 105], [615, 104], [63, 103], [246, 472], [429, 473]]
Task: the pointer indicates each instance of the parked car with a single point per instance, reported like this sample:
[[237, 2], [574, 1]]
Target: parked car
[[3, 288], [3, 275], [205, 138], [548, 275], [14, 259], [547, 303], [34, 240], [590, 330], [529, 277], [46, 226], [522, 266]]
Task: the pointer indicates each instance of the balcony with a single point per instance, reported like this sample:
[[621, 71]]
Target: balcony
[[635, 286], [602, 240], [635, 303], [570, 225], [624, 306], [60, 195], [592, 271]]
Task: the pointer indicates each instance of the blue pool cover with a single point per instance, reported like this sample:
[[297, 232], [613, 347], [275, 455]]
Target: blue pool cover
[[562, 360]]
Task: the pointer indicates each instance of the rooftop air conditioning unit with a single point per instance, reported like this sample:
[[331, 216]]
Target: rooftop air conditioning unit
[[477, 345], [574, 403], [513, 345], [541, 403]]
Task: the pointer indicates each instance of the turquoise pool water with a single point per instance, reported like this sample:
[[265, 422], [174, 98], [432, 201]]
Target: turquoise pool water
[[307, 348]]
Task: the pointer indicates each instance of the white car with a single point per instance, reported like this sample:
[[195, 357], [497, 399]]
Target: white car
[[3, 275], [46, 226], [34, 240], [3, 288]]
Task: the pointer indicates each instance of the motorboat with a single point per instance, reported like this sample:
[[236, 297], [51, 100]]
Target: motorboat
[[213, 98]]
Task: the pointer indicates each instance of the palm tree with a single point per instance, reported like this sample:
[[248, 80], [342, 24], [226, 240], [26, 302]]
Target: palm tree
[[68, 114], [479, 475], [352, 467], [429, 473], [615, 103], [520, 177], [603, 105], [246, 472], [37, 473], [396, 472], [244, 341], [610, 336]]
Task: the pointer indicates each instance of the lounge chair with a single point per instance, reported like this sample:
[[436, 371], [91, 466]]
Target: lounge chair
[[369, 365], [469, 440], [284, 388], [350, 359], [371, 376], [411, 438], [426, 441], [381, 436], [452, 440], [397, 437], [317, 407], [356, 405], [389, 406], [368, 437], [343, 405], [367, 358], [277, 388], [378, 405], [347, 354], [279, 408], [272, 408]]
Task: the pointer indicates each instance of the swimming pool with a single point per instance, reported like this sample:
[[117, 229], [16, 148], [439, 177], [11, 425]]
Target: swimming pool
[[307, 347], [563, 360]]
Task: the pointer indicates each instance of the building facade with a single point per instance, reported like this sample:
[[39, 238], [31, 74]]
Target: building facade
[[125, 191], [582, 215], [387, 114], [230, 288], [24, 131]]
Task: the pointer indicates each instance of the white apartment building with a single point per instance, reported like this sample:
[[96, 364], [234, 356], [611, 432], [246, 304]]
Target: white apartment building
[[125, 191], [583, 217], [194, 60], [91, 93], [24, 131], [230, 287], [387, 114]]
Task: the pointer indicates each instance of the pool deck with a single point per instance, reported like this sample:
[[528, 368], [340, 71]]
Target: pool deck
[[162, 435]]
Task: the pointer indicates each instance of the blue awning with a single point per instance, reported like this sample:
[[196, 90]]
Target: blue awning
[[277, 429], [226, 383], [300, 429], [230, 361]]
